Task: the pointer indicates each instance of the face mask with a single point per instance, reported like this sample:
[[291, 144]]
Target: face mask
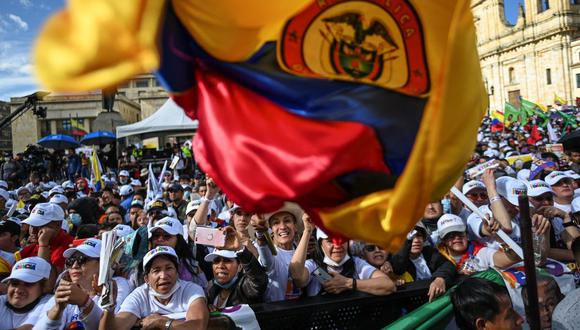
[[75, 218], [228, 284], [333, 263], [166, 295]]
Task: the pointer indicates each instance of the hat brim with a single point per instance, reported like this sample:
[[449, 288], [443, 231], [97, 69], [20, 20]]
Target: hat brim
[[543, 191], [172, 256], [165, 229], [291, 208], [450, 229], [220, 253], [36, 221], [28, 278], [70, 252]]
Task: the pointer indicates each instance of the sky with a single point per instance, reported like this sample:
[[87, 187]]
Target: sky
[[20, 22]]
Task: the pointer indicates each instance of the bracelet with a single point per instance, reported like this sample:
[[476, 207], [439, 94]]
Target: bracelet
[[568, 224], [494, 199], [353, 284], [168, 324]]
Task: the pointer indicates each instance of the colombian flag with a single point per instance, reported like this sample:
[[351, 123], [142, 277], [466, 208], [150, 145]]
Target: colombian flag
[[361, 111]]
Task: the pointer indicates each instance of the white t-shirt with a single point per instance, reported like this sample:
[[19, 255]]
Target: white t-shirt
[[362, 271], [564, 207], [423, 271], [9, 257], [280, 284], [10, 319], [484, 258], [72, 312], [142, 303], [475, 223]]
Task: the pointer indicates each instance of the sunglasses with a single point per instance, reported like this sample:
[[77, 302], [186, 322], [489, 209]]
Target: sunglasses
[[481, 195], [80, 260], [371, 248], [542, 198]]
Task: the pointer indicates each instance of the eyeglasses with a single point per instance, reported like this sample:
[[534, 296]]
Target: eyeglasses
[[80, 260]]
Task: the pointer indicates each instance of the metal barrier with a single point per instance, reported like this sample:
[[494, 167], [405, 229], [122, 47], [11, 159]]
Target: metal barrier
[[352, 310]]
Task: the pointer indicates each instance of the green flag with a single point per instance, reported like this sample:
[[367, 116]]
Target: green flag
[[569, 120], [532, 108], [511, 114], [438, 313]]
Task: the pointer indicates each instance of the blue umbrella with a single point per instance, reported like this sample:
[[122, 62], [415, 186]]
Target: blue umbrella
[[58, 141], [98, 138]]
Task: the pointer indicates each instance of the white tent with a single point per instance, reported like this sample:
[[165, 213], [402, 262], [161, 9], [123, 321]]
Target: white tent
[[169, 119]]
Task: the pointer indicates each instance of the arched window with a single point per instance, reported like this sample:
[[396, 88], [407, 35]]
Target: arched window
[[512, 75]]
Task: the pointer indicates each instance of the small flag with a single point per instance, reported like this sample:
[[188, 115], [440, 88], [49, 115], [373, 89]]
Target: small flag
[[96, 168]]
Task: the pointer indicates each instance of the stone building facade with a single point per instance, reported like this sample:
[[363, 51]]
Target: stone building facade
[[136, 99], [5, 133], [536, 58]]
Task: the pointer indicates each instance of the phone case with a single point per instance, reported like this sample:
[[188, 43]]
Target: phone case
[[321, 275], [210, 236]]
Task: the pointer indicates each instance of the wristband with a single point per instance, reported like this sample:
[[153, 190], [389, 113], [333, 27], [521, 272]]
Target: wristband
[[168, 324], [203, 199], [494, 199], [353, 284], [568, 224]]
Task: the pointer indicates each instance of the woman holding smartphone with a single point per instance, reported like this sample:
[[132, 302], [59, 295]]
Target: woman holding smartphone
[[169, 232]]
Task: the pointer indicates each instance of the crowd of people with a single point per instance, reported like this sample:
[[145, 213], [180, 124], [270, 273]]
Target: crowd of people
[[170, 276]]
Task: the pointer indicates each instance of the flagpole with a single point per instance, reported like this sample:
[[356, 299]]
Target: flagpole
[[532, 309]]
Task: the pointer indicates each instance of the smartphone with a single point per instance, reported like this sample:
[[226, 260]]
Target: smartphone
[[210, 236], [321, 275]]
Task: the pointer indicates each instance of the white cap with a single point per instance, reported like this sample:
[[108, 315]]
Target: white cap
[[135, 183], [524, 174], [29, 270], [193, 206], [169, 225], [449, 223], [167, 250], [220, 253], [126, 190], [492, 145], [474, 184], [124, 173], [44, 213], [56, 190], [555, 177], [123, 230], [4, 194], [576, 205], [510, 188], [537, 188], [3, 184], [91, 247], [573, 174], [320, 234], [289, 207], [58, 198]]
